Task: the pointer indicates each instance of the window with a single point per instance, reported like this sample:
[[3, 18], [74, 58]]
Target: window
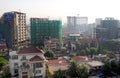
[[38, 71], [38, 65], [15, 64], [14, 57], [16, 70], [39, 76], [23, 58]]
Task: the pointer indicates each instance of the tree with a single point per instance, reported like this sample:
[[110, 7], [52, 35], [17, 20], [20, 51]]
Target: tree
[[111, 68], [84, 70], [76, 70], [93, 51], [49, 54], [58, 74], [107, 69]]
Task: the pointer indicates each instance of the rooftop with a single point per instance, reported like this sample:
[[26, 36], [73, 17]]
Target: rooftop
[[29, 50], [80, 58], [36, 58], [95, 63], [88, 40], [57, 64]]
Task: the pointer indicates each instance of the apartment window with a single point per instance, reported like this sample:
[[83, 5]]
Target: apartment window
[[15, 64], [38, 65], [14, 57], [39, 76], [23, 58], [38, 71], [16, 70]]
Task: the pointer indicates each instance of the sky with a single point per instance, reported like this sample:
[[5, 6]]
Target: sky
[[60, 9]]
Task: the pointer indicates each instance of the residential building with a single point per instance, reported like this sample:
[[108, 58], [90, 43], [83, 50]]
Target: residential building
[[80, 59], [44, 29], [95, 65], [14, 29], [108, 29], [27, 63], [56, 64], [52, 44], [90, 42]]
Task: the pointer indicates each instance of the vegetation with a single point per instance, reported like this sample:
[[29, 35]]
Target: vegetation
[[111, 68], [58, 74], [111, 45], [80, 71], [72, 54], [49, 54], [2, 62], [5, 73]]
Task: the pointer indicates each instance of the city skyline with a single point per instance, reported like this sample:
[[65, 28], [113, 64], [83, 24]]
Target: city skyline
[[60, 9]]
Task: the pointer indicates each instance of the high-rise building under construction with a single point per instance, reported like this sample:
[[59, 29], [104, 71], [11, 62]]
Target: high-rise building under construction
[[43, 29], [14, 29]]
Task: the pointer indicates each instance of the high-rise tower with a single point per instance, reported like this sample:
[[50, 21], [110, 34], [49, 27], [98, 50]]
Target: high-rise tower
[[16, 26]]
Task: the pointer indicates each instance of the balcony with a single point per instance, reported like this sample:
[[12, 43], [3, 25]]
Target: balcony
[[25, 67]]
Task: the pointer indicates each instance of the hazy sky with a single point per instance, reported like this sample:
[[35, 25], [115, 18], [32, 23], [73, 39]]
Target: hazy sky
[[63, 8]]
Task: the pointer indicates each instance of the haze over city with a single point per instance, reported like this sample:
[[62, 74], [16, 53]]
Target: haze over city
[[63, 8], [59, 39]]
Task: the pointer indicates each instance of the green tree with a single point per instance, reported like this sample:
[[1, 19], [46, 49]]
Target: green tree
[[107, 69], [79, 71], [84, 70], [93, 51], [58, 74], [74, 70], [49, 54], [83, 52], [87, 51]]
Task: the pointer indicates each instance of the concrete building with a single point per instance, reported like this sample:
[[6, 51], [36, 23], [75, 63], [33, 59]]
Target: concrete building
[[108, 29], [44, 29], [52, 44], [16, 29], [76, 24], [27, 63], [98, 21]]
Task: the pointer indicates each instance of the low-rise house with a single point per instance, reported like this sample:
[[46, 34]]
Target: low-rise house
[[56, 64], [80, 59], [52, 44], [27, 63], [95, 65], [91, 42]]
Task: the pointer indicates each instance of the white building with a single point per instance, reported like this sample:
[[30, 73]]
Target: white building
[[27, 63]]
